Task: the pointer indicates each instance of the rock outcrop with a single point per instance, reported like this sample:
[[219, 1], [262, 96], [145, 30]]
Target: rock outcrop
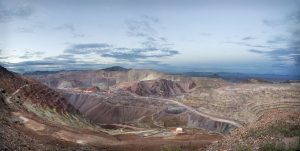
[[161, 87]]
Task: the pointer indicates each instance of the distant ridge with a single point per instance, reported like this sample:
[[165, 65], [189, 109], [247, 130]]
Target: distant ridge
[[41, 72], [3, 70], [115, 68], [243, 77]]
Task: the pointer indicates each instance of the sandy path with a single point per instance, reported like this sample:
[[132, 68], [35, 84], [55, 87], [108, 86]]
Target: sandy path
[[14, 93], [17, 91]]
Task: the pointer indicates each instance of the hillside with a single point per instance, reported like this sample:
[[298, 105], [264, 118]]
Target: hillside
[[35, 117], [141, 109], [276, 130]]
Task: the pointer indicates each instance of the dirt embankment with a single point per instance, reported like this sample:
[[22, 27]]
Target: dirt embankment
[[275, 130]]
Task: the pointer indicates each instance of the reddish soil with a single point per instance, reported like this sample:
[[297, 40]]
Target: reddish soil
[[65, 136]]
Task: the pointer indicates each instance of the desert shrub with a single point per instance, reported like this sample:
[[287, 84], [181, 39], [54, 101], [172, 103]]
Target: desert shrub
[[243, 148], [169, 148], [285, 130], [272, 147], [289, 131]]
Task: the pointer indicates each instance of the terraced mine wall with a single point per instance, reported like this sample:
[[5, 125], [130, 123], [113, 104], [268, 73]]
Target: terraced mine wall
[[208, 124], [192, 120], [103, 110], [122, 110]]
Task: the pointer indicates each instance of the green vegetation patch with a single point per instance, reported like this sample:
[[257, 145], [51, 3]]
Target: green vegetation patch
[[276, 129], [53, 116], [243, 148], [170, 148], [274, 147]]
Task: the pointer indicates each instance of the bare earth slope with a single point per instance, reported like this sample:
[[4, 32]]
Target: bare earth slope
[[120, 103], [160, 87], [132, 105], [274, 130], [34, 117], [239, 102]]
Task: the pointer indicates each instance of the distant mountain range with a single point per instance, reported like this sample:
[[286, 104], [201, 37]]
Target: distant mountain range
[[239, 77], [113, 68], [233, 77]]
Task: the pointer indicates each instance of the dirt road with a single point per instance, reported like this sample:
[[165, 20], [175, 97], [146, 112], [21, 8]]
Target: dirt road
[[195, 111]]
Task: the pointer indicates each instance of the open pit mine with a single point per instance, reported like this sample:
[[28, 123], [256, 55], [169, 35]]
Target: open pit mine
[[132, 109]]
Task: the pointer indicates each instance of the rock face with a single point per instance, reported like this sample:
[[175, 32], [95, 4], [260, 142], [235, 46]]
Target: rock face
[[24, 89], [20, 128], [10, 81], [161, 87]]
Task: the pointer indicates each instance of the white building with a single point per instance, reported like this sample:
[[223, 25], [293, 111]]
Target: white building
[[179, 130]]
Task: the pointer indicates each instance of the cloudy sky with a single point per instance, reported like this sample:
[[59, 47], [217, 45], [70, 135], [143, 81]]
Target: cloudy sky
[[257, 36]]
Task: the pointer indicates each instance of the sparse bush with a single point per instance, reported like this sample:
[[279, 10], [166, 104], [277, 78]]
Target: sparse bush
[[169, 148], [53, 116], [254, 133], [243, 148], [290, 131], [285, 130], [272, 147]]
